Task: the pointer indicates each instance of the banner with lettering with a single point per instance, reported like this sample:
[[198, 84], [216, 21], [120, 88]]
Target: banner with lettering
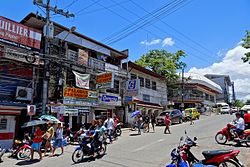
[[82, 80]]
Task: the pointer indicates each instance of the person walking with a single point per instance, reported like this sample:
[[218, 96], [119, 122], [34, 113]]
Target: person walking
[[59, 138], [109, 124], [139, 123], [48, 137], [37, 142], [191, 117], [146, 123], [153, 121], [167, 123]]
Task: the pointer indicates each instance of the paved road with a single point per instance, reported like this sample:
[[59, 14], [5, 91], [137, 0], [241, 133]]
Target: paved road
[[147, 150]]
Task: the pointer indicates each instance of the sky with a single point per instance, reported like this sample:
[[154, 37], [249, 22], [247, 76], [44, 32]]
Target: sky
[[209, 31]]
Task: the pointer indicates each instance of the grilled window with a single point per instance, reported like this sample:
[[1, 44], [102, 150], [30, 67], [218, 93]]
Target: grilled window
[[147, 83], [146, 98], [141, 81], [153, 85], [3, 124], [133, 76]]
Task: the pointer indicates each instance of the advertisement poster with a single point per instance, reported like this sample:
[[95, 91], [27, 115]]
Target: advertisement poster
[[31, 110], [105, 80], [83, 57]]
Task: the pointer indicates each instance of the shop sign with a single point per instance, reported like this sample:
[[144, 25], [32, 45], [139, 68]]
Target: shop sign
[[93, 94], [82, 102], [128, 99], [70, 112], [19, 35], [105, 80], [108, 99], [132, 87], [75, 93], [83, 110], [57, 109], [23, 57], [31, 110]]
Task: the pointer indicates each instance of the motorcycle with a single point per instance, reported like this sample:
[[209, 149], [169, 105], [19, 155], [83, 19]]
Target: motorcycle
[[2, 151], [219, 158], [227, 134], [83, 152], [74, 136], [21, 149], [118, 129]]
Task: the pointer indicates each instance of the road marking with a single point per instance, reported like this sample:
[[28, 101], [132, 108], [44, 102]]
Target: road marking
[[148, 145]]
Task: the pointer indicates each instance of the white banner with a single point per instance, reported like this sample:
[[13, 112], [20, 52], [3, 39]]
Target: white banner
[[82, 80]]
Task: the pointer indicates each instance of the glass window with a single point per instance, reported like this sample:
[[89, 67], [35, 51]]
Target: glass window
[[141, 81], [147, 83], [133, 76], [72, 55], [153, 85], [3, 124], [146, 98]]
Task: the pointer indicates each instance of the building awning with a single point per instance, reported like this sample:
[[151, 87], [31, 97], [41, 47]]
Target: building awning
[[150, 106], [10, 110]]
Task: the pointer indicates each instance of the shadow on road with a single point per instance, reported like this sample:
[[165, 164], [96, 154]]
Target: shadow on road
[[235, 145], [134, 134], [27, 162]]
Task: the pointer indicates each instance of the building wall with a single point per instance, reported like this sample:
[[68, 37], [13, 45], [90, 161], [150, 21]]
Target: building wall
[[158, 96], [224, 96]]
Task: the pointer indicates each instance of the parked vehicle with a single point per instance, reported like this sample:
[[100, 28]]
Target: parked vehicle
[[212, 157], [118, 129], [234, 109], [225, 110], [226, 134], [195, 113], [84, 150], [175, 116], [2, 151], [21, 149]]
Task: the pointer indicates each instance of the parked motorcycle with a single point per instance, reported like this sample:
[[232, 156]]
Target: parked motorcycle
[[227, 134], [84, 150], [21, 149], [218, 158], [2, 151]]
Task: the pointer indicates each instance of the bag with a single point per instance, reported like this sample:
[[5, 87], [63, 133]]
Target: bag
[[47, 135]]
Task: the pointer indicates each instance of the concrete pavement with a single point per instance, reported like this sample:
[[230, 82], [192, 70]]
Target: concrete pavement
[[148, 149]]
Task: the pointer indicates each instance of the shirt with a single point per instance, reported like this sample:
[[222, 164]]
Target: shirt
[[51, 131], [38, 136], [59, 133], [110, 123], [240, 124]]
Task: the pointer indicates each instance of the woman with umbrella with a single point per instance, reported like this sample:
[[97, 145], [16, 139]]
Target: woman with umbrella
[[37, 142]]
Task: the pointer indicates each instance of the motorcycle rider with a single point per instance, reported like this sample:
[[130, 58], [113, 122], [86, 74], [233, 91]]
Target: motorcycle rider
[[109, 124], [93, 134], [240, 125]]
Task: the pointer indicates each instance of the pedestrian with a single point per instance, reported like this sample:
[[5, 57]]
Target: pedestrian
[[191, 117], [146, 123], [48, 137], [153, 121], [139, 123], [183, 115], [59, 138], [167, 123], [109, 124], [37, 142]]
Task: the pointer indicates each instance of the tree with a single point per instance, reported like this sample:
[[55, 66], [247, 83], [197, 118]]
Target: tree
[[238, 103], [248, 102], [163, 62], [246, 44]]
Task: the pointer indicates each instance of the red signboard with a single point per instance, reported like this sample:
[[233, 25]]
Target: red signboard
[[20, 35]]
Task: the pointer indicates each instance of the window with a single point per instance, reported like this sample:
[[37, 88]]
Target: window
[[72, 55], [141, 81], [133, 76], [153, 85], [146, 98], [3, 124], [147, 83]]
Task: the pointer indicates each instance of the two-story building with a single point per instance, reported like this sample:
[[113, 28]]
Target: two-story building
[[152, 90], [225, 82], [85, 75], [198, 91]]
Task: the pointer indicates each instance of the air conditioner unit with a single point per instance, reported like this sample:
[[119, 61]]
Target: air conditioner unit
[[23, 93]]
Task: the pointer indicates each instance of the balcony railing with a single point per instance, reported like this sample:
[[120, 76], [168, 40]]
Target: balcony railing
[[96, 64], [187, 98]]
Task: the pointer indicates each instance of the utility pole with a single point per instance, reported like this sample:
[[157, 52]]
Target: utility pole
[[182, 88], [48, 32]]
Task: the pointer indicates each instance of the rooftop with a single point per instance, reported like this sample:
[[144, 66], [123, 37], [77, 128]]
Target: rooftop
[[227, 77]]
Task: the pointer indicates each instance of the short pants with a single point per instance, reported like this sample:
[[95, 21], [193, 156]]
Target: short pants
[[58, 143], [36, 146]]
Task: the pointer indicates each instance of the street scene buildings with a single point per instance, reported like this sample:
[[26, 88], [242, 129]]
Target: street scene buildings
[[49, 69]]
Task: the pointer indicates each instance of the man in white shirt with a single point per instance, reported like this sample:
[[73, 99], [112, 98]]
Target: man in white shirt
[[240, 124], [109, 124]]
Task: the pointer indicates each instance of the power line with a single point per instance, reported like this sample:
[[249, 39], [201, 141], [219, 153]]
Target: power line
[[92, 4], [69, 5]]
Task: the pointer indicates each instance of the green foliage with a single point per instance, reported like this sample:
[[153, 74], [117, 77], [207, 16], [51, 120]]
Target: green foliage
[[246, 45], [163, 62], [239, 103], [248, 102]]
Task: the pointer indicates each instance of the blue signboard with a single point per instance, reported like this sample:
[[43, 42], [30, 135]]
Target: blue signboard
[[109, 98], [132, 87], [128, 99]]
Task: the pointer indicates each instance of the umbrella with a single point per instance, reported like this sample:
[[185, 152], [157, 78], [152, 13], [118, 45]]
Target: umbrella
[[33, 123], [135, 113], [49, 118]]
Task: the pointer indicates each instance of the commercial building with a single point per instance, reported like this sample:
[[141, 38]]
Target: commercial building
[[225, 82], [150, 95], [18, 76], [198, 91]]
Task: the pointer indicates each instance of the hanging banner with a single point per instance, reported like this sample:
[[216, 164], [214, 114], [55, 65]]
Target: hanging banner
[[82, 80], [105, 80], [31, 110]]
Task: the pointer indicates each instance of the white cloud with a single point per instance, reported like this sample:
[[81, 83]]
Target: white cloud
[[233, 66], [152, 42], [167, 42]]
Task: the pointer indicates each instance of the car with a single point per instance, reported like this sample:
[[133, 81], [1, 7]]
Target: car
[[175, 116], [225, 110], [195, 113], [234, 109]]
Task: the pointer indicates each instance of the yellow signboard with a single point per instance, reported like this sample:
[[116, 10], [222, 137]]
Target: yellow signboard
[[105, 80], [76, 93]]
